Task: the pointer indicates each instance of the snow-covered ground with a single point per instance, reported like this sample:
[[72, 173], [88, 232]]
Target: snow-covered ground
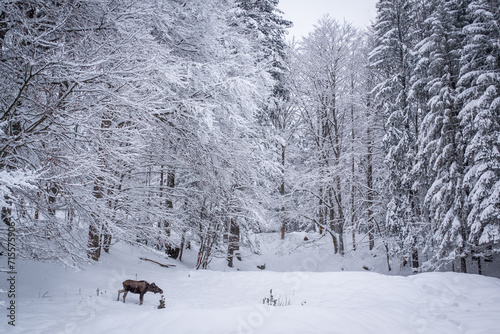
[[52, 299]]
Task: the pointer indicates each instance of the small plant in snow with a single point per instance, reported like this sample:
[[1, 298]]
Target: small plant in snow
[[276, 302], [162, 302], [44, 295], [99, 292]]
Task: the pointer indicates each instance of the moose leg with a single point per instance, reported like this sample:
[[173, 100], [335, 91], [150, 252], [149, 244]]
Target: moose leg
[[124, 295], [141, 298], [119, 293]]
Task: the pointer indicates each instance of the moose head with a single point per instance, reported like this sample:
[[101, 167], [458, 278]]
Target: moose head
[[154, 288]]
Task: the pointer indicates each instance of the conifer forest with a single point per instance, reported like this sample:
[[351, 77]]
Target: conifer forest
[[196, 124]]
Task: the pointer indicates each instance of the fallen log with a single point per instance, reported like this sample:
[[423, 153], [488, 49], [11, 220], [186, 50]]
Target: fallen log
[[158, 263]]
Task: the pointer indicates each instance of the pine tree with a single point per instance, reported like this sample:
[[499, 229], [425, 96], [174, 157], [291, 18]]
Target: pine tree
[[395, 30], [440, 156], [479, 86]]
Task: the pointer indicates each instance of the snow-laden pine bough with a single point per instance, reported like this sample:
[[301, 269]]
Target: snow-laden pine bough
[[140, 287]]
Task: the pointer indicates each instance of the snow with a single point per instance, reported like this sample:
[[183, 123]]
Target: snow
[[491, 234], [53, 299], [14, 179]]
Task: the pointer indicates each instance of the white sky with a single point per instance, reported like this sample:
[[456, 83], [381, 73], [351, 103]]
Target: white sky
[[305, 13]]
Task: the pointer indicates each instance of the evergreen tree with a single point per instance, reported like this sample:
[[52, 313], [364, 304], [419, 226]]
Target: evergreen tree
[[479, 86], [440, 156], [395, 30]]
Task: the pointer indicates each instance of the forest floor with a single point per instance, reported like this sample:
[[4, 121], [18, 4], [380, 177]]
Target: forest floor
[[321, 293]]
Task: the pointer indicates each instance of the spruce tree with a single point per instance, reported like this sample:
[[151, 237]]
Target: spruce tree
[[440, 144], [479, 86], [392, 57]]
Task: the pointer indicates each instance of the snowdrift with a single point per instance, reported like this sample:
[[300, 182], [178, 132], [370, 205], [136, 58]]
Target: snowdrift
[[52, 299]]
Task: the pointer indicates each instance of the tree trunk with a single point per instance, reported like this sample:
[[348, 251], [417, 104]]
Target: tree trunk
[[353, 170], [282, 193], [463, 256], [208, 237], [96, 226], [321, 213], [335, 242], [94, 245], [106, 239], [341, 240], [371, 238], [106, 242], [183, 241], [233, 242], [463, 264], [207, 244], [386, 246], [341, 217], [169, 249], [52, 192], [370, 191], [414, 259]]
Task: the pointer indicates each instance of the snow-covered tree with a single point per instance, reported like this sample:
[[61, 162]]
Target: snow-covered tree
[[49, 76], [139, 119], [372, 173], [321, 79], [439, 163], [395, 30], [479, 86], [218, 158], [263, 21], [438, 64]]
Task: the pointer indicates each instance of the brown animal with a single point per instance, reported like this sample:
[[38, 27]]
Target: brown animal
[[140, 287]]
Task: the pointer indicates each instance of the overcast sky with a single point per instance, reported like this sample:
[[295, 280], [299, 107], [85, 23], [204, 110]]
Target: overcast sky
[[305, 13]]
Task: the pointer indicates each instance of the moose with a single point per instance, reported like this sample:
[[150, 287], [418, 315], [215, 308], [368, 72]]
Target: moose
[[140, 287]]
